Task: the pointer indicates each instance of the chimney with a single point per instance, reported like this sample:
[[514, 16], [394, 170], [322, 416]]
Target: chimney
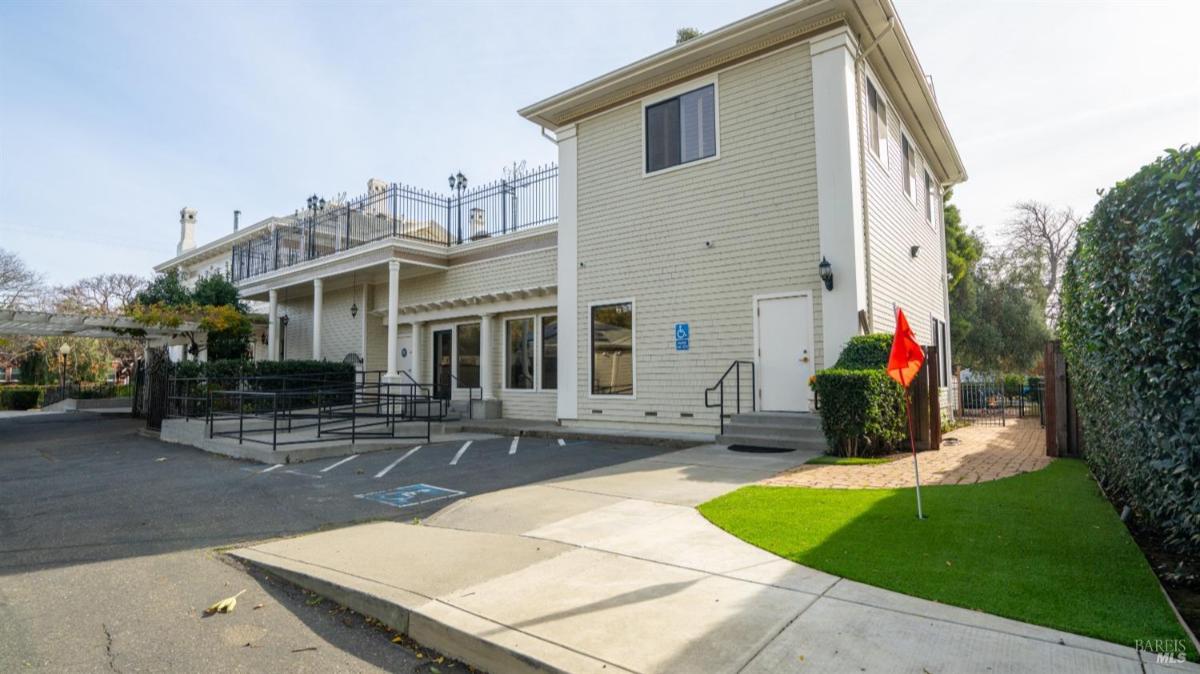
[[236, 216], [187, 230]]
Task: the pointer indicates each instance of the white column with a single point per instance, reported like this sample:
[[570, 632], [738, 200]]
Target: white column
[[393, 314], [318, 304], [272, 327], [485, 355], [568, 276], [415, 352], [839, 192]]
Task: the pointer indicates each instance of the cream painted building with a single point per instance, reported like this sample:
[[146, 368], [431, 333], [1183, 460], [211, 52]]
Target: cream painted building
[[699, 196]]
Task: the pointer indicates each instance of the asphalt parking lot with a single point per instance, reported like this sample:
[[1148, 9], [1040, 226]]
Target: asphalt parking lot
[[107, 538], [82, 488]]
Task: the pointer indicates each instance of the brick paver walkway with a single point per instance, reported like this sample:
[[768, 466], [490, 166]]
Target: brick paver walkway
[[983, 453]]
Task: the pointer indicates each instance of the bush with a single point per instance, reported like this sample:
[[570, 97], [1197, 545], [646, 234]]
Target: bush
[[1014, 385], [866, 352], [862, 411], [1131, 334], [20, 397]]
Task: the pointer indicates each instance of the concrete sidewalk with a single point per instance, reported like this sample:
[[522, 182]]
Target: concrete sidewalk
[[614, 570]]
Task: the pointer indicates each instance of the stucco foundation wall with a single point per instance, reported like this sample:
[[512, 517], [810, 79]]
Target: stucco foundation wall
[[644, 238]]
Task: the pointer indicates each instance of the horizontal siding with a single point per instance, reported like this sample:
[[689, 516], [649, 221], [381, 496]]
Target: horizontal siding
[[644, 237], [895, 223], [513, 272]]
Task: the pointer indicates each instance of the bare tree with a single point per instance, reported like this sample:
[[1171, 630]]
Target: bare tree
[[20, 286], [1041, 237], [102, 295]]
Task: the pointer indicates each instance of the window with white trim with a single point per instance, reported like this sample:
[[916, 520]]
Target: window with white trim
[[520, 350], [550, 352], [468, 355], [612, 349], [681, 129], [929, 197], [876, 122], [910, 164]]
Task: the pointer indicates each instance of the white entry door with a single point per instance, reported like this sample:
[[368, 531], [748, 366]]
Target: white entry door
[[785, 353]]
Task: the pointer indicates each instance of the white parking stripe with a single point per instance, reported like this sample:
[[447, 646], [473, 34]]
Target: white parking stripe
[[271, 468], [462, 450], [562, 443], [393, 464], [326, 469], [512, 449]]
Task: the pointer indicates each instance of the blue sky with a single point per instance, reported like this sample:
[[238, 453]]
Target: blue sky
[[115, 115]]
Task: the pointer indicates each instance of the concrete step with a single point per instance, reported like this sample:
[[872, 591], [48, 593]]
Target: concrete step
[[798, 421], [739, 427], [805, 441]]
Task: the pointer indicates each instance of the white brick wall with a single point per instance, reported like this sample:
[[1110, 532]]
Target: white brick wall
[[644, 237]]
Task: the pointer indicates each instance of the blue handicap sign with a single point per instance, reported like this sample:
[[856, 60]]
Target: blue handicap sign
[[683, 336], [411, 495]]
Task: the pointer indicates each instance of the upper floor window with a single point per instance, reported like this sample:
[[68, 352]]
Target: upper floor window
[[876, 122], [929, 197], [681, 129], [910, 164]]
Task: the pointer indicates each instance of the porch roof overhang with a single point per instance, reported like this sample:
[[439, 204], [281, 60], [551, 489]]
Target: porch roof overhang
[[494, 302], [892, 58], [43, 324]]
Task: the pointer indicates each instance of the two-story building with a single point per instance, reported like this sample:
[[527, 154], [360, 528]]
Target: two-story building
[[760, 193]]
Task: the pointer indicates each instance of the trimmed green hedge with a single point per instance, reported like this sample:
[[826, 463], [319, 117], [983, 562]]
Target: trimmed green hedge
[[862, 411], [866, 352], [264, 368], [1131, 332], [20, 397]]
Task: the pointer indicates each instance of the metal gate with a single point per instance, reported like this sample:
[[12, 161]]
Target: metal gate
[[994, 400]]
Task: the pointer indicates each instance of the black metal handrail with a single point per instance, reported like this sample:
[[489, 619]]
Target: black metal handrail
[[520, 202], [470, 394], [357, 411], [736, 368]]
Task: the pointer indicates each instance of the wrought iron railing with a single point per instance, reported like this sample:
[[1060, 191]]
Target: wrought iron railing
[[528, 200], [735, 369]]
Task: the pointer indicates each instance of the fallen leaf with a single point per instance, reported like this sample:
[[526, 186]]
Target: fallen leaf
[[161, 458], [225, 605], [256, 607]]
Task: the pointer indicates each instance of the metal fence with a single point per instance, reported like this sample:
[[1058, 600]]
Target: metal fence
[[993, 400], [298, 409], [527, 200]]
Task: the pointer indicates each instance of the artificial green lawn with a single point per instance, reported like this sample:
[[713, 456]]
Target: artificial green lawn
[[1042, 547], [828, 460]]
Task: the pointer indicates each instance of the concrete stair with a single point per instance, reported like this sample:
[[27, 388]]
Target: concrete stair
[[775, 430]]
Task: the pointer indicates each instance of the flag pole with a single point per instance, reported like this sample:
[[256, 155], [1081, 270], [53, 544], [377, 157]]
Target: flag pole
[[912, 444]]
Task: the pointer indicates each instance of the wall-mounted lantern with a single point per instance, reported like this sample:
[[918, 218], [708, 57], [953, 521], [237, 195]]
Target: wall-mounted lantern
[[912, 251], [826, 271]]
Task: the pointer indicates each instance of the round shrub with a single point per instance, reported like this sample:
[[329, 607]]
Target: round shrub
[[1131, 333], [866, 352], [862, 411]]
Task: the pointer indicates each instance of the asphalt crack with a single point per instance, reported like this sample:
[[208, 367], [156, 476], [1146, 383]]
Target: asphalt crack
[[108, 648]]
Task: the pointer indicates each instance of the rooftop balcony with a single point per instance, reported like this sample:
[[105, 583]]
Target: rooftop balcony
[[403, 213]]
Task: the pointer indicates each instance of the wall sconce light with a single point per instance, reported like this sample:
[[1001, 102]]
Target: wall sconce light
[[354, 310], [826, 271], [283, 320], [914, 250], [264, 339]]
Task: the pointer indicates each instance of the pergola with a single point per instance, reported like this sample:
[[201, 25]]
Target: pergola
[[44, 324]]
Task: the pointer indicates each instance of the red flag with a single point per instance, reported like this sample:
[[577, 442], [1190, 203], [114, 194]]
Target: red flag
[[907, 355]]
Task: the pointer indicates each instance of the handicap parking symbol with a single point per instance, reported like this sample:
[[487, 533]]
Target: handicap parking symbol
[[410, 495], [683, 336]]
